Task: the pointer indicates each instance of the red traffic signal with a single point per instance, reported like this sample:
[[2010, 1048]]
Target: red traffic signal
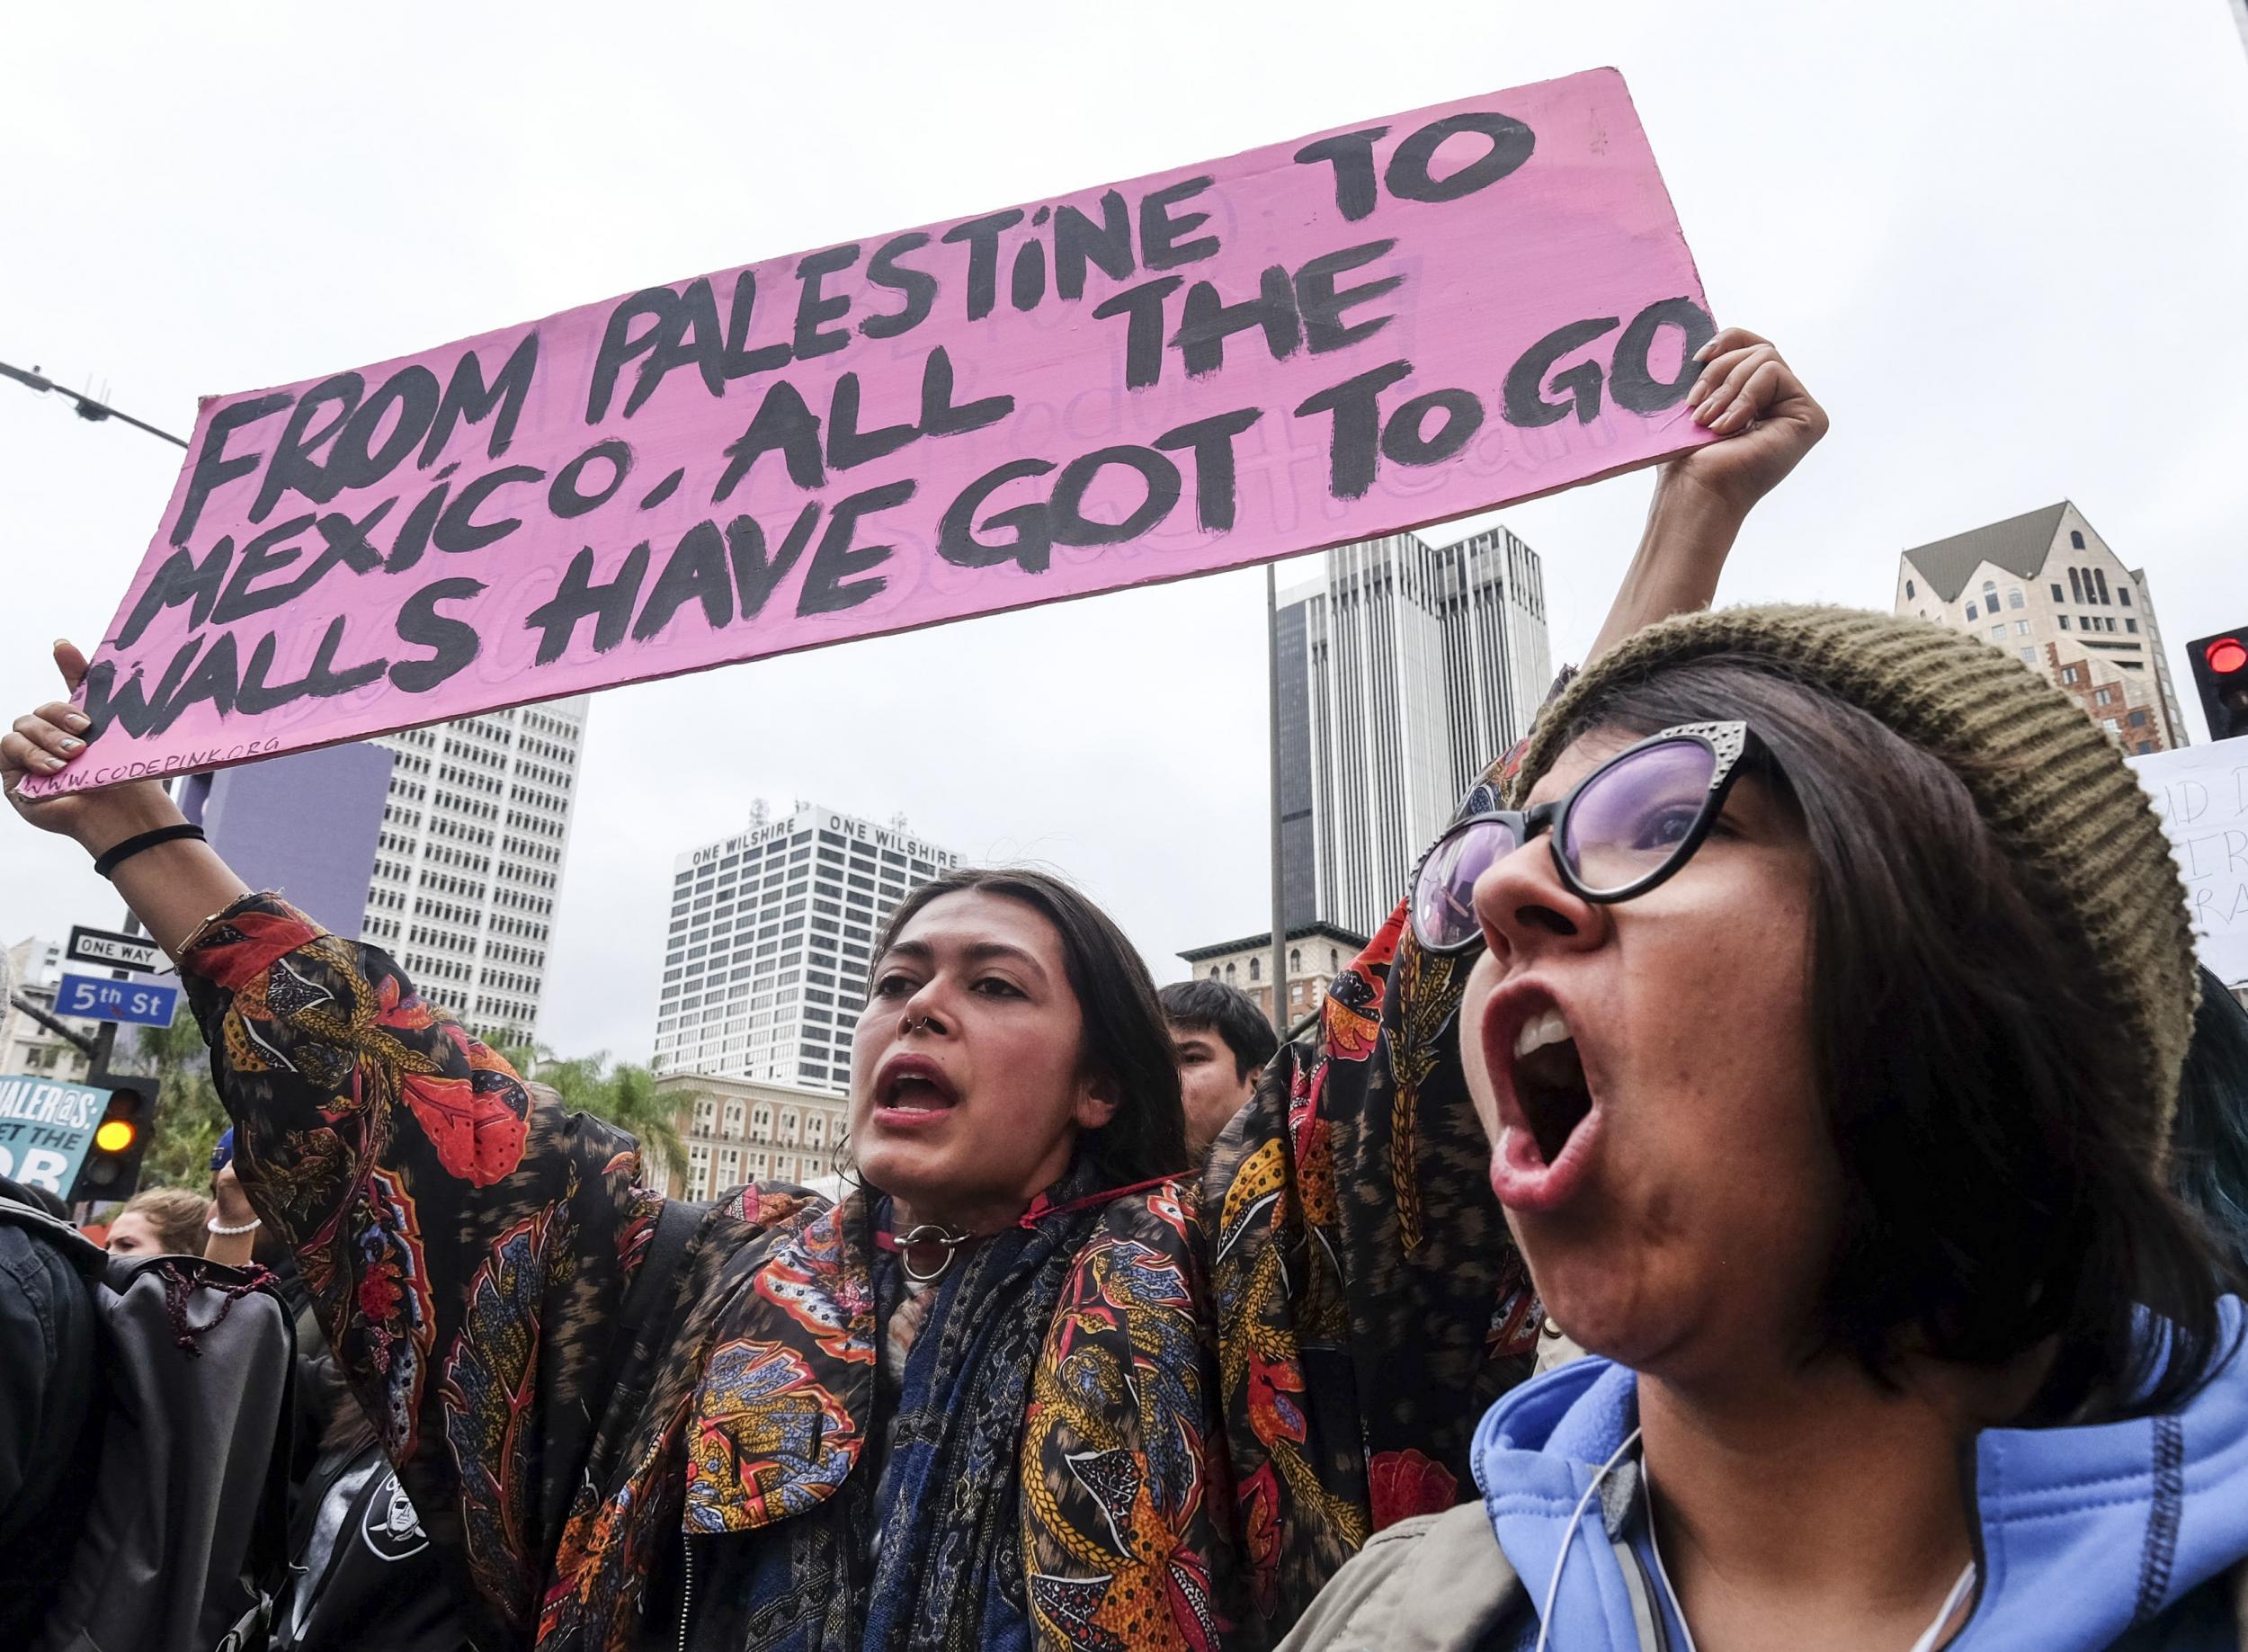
[[2220, 671]]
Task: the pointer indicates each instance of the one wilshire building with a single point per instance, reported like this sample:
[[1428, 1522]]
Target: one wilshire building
[[1404, 670]]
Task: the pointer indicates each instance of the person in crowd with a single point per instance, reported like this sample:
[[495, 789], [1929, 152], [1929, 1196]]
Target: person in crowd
[[1222, 1041], [2209, 1144], [1831, 985], [1027, 1385], [49, 1335], [161, 1222], [362, 1575]]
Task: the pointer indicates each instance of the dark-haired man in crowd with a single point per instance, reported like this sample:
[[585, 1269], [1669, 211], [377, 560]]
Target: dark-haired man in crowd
[[1222, 1041]]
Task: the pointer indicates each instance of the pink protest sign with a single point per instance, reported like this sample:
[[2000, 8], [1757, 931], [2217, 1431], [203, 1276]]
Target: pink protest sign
[[1380, 327]]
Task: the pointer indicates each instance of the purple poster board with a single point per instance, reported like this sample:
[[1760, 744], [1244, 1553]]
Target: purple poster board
[[1382, 326]]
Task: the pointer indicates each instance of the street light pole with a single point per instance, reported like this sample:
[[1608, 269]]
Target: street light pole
[[87, 408], [1280, 892]]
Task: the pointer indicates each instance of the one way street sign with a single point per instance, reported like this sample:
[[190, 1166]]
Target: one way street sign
[[108, 948]]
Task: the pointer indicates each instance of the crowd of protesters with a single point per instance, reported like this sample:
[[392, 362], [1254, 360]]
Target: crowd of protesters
[[1800, 1019]]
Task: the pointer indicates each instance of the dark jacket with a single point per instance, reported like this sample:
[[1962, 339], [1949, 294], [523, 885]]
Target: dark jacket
[[47, 1385], [365, 1577]]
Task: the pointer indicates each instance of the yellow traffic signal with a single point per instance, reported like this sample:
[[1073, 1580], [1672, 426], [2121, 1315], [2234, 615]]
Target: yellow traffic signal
[[112, 1166]]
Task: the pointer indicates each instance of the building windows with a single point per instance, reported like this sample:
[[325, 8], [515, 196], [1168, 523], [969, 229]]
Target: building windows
[[2076, 539], [1256, 969], [2131, 626], [2123, 594], [2056, 594], [2100, 575], [1998, 633], [2064, 619], [2015, 598], [2028, 657], [2022, 628], [2072, 674], [1971, 614], [2076, 587], [1909, 593]]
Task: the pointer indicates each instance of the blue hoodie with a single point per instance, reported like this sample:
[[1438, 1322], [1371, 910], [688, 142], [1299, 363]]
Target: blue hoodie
[[2090, 1537]]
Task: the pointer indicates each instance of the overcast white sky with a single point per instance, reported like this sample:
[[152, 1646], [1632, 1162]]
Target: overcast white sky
[[2007, 244]]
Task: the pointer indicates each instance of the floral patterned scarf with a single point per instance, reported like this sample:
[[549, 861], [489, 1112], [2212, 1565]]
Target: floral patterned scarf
[[949, 1576]]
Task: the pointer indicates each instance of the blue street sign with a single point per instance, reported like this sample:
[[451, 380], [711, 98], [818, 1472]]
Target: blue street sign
[[95, 998]]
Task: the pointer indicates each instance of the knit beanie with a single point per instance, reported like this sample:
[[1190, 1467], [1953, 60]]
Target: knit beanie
[[2054, 789]]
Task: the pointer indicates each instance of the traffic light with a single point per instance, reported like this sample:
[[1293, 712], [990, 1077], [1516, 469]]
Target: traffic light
[[112, 1166], [2220, 671]]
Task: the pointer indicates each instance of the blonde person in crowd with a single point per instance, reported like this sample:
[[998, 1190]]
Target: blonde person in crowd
[[161, 1222], [1031, 1383]]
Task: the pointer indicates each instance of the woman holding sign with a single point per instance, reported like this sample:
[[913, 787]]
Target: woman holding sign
[[1028, 1385]]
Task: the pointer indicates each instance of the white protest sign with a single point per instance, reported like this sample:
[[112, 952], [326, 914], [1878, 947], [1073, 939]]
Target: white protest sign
[[2201, 794]]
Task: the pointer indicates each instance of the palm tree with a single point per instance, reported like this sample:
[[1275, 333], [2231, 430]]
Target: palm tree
[[623, 1094]]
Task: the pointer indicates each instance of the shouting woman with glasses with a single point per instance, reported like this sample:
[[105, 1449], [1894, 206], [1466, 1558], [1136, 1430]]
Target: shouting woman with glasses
[[1027, 1385], [1831, 985]]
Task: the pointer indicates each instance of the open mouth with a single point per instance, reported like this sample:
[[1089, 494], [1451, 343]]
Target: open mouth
[[1549, 1083], [915, 1085]]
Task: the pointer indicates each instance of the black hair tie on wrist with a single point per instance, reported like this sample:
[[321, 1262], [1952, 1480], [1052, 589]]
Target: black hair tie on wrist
[[117, 854]]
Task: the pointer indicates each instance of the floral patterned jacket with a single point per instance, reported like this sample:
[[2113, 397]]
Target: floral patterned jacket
[[1241, 1379]]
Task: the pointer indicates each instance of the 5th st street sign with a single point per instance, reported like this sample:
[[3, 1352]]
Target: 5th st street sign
[[113, 950], [94, 998]]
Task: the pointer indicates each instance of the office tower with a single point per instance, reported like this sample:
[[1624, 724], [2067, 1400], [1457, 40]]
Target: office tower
[[772, 933], [1406, 668]]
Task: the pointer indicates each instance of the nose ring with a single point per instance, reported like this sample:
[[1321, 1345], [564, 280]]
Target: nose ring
[[912, 1021]]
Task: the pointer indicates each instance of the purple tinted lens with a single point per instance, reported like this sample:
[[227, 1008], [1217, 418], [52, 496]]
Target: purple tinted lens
[[1443, 898], [1635, 816]]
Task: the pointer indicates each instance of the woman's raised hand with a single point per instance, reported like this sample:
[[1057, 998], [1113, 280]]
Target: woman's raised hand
[[1753, 398], [1750, 395], [44, 742]]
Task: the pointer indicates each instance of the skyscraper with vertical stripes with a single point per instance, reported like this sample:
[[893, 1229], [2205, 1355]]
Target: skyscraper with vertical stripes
[[1405, 669]]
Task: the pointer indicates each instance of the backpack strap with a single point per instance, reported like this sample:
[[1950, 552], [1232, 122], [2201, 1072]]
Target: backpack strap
[[675, 1226], [633, 1356]]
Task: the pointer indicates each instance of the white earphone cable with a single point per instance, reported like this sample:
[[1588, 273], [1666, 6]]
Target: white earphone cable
[[1568, 1536]]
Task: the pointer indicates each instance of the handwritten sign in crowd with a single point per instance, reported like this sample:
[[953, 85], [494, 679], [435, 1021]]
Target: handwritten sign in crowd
[[2201, 794], [1385, 326]]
